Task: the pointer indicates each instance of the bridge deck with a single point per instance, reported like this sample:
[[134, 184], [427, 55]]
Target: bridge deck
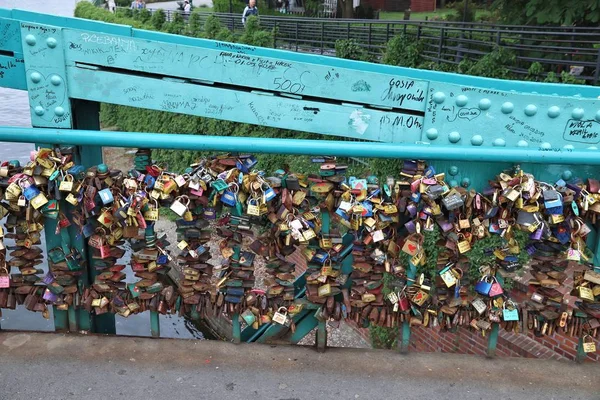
[[86, 367]]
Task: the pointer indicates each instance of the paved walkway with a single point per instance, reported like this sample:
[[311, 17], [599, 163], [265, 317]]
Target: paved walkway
[[40, 366]]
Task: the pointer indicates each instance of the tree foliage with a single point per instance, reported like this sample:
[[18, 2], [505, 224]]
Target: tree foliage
[[549, 12]]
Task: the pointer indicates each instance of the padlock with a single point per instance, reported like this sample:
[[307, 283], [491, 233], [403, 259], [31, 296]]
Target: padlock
[[495, 289], [585, 293], [4, 278], [66, 185], [38, 201], [180, 205], [463, 245], [152, 212], [106, 196], [511, 313], [588, 344], [483, 286], [229, 196], [253, 207], [479, 305], [447, 276], [280, 317]]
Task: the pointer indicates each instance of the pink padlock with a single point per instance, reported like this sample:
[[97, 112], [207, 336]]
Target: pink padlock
[[496, 289]]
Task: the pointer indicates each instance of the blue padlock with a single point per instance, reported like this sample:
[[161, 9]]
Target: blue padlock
[[239, 165], [553, 201], [249, 162], [269, 194], [149, 180], [483, 287], [88, 230], [342, 214], [30, 192], [416, 197], [368, 209], [76, 171], [162, 259], [106, 196], [228, 198], [562, 234]]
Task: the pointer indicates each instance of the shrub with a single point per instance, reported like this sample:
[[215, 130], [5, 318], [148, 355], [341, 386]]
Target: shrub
[[403, 51], [351, 49]]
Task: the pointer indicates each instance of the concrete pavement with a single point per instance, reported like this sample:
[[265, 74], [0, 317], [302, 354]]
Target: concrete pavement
[[41, 366]]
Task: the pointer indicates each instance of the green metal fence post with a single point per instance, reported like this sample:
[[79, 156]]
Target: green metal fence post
[[321, 336], [493, 341], [581, 355], [405, 337], [86, 116]]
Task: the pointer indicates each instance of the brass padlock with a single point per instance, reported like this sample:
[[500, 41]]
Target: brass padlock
[[38, 201], [66, 185]]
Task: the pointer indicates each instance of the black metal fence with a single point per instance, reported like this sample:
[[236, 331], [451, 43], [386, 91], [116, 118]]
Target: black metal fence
[[556, 48]]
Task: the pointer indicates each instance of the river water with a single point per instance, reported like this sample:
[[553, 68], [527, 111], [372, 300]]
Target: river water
[[14, 111]]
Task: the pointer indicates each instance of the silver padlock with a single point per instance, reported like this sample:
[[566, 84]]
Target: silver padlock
[[479, 305], [280, 317], [178, 207]]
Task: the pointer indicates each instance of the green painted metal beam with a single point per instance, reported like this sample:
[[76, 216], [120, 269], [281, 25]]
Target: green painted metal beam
[[405, 338], [155, 324], [295, 146], [304, 326], [86, 117], [321, 336], [493, 341]]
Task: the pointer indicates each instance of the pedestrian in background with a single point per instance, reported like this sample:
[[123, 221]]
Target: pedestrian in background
[[249, 10]]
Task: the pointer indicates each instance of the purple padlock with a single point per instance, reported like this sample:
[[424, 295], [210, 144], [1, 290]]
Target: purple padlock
[[49, 278], [410, 226], [537, 234], [412, 209], [49, 296]]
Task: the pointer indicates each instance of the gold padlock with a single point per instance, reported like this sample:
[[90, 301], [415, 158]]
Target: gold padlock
[[588, 344], [66, 185], [38, 201], [72, 199]]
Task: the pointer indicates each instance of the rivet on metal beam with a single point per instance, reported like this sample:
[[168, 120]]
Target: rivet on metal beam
[[453, 170], [30, 40], [51, 42], [553, 112], [530, 110], [36, 77], [56, 80], [545, 146], [485, 104], [39, 111], [454, 137], [439, 97], [432, 133], [59, 111], [577, 113], [477, 140], [466, 182], [507, 107], [522, 143], [462, 100], [499, 142], [567, 175]]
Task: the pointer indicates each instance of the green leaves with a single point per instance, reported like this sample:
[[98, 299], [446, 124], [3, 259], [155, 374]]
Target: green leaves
[[403, 51], [351, 49], [549, 12]]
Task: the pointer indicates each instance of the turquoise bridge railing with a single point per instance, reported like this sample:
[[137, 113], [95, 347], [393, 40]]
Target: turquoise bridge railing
[[464, 124]]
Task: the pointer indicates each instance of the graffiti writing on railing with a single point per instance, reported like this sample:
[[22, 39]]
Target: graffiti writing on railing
[[582, 131], [397, 92]]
